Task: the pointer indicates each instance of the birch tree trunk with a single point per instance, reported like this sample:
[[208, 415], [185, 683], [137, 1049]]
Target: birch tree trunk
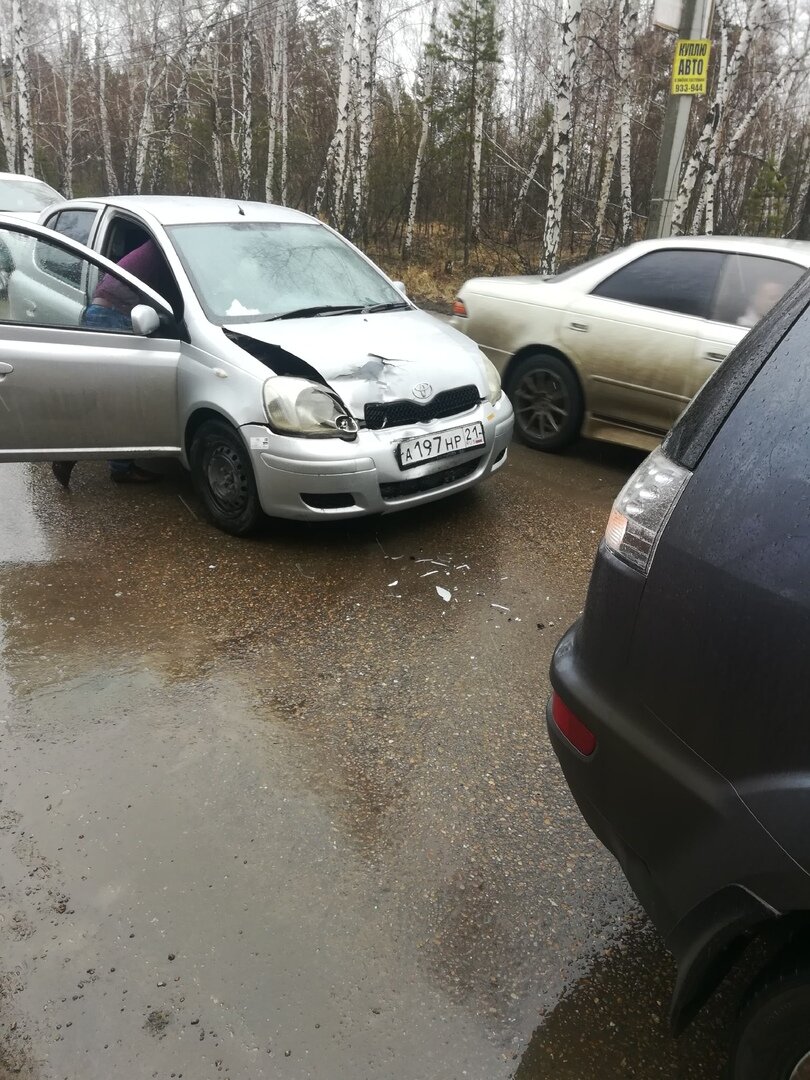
[[628, 19], [145, 129], [714, 117], [285, 104], [477, 140], [20, 68], [104, 120], [273, 60], [336, 155], [528, 179], [8, 127], [604, 187], [216, 120], [365, 113], [426, 111], [552, 233], [246, 125]]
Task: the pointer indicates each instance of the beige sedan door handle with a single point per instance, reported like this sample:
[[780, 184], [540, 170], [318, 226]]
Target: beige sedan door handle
[[580, 326], [716, 356]]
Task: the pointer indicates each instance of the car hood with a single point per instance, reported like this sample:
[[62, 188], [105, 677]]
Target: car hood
[[369, 358]]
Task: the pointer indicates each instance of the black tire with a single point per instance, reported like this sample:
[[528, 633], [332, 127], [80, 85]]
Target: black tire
[[773, 1036], [222, 473], [547, 399]]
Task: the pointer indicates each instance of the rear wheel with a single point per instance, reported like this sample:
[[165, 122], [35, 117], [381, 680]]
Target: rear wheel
[[223, 476], [773, 1038], [547, 400]]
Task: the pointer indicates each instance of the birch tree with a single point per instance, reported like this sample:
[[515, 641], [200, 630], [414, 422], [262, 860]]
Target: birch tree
[[245, 142], [366, 68], [337, 154], [425, 113], [628, 18], [528, 179], [272, 60], [552, 233], [8, 125], [22, 94], [104, 120]]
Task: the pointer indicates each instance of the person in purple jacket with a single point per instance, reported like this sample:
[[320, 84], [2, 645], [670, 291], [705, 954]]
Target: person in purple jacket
[[110, 310]]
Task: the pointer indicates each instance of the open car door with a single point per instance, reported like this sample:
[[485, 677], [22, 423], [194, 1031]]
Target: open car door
[[72, 390]]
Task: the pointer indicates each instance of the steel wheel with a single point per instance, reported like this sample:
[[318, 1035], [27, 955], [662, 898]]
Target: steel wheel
[[223, 476]]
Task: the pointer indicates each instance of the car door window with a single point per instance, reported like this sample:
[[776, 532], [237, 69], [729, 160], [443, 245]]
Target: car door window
[[749, 287], [37, 270], [77, 224], [680, 280]]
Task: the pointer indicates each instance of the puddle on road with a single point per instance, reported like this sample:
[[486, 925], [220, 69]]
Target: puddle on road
[[402, 737], [613, 1024]]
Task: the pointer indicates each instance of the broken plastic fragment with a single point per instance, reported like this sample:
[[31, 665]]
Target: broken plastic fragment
[[500, 607], [428, 573], [391, 584], [445, 594]]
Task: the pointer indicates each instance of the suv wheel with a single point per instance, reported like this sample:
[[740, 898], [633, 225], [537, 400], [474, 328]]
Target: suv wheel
[[547, 400], [773, 1037], [223, 476]]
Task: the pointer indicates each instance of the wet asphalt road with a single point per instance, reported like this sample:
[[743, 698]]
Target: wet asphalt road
[[273, 808]]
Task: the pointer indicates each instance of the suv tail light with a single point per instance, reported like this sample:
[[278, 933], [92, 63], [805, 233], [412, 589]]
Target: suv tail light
[[642, 509], [459, 308], [570, 725]]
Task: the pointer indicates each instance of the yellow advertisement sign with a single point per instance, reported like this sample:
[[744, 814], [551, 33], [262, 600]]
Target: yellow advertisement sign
[[690, 68]]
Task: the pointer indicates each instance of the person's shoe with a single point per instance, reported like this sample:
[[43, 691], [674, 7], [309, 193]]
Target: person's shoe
[[134, 475], [62, 470]]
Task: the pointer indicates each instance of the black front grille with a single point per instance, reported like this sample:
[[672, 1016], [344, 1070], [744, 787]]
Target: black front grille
[[399, 489], [447, 403]]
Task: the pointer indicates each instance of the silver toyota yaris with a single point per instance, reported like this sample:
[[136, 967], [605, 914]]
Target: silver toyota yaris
[[254, 343]]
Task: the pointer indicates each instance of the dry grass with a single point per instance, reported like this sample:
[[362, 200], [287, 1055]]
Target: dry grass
[[436, 271]]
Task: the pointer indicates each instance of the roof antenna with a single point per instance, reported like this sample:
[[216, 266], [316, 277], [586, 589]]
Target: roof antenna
[[239, 208]]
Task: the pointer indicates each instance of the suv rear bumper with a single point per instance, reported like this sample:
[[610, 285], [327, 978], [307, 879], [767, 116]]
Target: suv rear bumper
[[700, 863]]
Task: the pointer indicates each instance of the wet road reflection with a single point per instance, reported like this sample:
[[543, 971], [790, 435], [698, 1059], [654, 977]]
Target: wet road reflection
[[321, 786]]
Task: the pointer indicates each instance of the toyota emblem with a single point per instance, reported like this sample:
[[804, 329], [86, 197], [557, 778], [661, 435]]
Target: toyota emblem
[[422, 391]]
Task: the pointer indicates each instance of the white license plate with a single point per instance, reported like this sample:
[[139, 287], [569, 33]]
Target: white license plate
[[454, 440]]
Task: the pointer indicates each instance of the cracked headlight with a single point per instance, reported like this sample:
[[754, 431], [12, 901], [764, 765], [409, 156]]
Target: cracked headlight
[[494, 390], [303, 408]]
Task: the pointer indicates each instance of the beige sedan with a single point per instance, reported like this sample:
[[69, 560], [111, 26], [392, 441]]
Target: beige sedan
[[617, 348]]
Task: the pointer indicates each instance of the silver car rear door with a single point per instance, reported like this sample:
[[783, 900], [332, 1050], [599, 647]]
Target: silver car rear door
[[67, 389]]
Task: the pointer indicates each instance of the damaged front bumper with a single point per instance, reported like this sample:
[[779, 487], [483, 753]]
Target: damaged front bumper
[[332, 478]]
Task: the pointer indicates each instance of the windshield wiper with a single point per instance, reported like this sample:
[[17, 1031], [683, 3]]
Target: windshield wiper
[[320, 309], [396, 305]]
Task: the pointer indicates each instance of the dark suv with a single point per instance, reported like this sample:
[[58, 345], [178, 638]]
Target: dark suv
[[681, 704]]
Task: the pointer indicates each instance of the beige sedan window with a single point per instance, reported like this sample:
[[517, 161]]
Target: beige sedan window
[[749, 287]]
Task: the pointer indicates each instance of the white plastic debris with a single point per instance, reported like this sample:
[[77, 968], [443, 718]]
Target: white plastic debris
[[428, 573], [500, 607], [445, 594], [391, 584]]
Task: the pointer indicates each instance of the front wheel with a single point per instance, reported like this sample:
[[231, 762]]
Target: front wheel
[[773, 1038], [547, 400], [223, 477]]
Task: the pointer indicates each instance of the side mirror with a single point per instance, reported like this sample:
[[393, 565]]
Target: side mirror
[[400, 287], [145, 320]]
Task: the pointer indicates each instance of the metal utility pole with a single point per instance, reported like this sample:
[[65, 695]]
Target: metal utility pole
[[695, 23]]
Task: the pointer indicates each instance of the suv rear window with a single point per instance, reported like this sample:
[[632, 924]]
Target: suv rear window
[[689, 439]]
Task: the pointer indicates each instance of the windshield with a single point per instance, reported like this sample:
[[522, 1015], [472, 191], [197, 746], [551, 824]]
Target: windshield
[[253, 271], [26, 196]]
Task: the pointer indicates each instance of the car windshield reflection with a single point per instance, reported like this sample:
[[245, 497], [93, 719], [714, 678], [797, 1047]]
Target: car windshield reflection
[[256, 271]]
